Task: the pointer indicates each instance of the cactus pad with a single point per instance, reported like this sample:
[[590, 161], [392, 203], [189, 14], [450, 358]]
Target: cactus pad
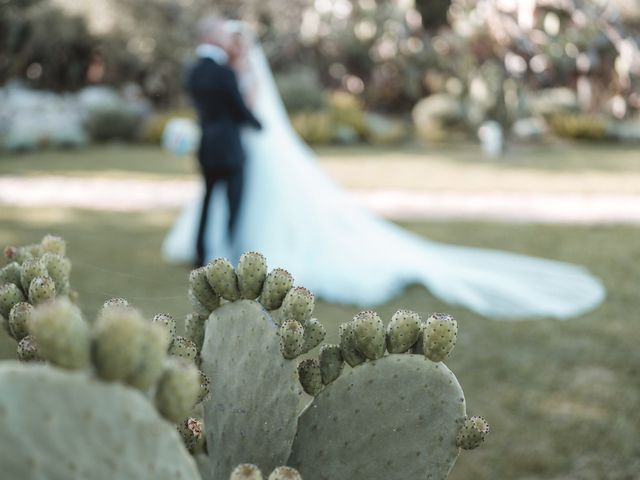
[[404, 407], [252, 413], [63, 425]]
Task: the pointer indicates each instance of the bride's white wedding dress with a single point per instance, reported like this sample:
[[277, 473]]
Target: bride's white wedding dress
[[296, 216]]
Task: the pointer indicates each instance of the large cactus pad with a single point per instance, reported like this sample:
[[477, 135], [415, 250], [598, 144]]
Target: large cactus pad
[[252, 414], [63, 425], [393, 418]]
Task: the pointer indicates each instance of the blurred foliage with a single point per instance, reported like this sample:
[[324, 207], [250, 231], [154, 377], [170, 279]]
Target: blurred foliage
[[315, 128], [301, 90], [347, 110], [578, 126], [113, 123]]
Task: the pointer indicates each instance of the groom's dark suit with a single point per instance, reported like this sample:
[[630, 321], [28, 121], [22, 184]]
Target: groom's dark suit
[[222, 111]]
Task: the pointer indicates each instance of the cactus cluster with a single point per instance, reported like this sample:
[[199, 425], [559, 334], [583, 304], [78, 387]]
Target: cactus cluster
[[380, 404], [35, 274]]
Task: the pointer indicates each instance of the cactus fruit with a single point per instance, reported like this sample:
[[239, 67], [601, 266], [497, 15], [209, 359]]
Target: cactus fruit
[[192, 432], [201, 289], [285, 473], [115, 302], [62, 425], [10, 274], [41, 290], [30, 269], [403, 331], [251, 271], [28, 350], [350, 353], [153, 350], [177, 389], [184, 348], [369, 334], [205, 387], [198, 307], [54, 244], [331, 363], [276, 286], [59, 269], [10, 294], [194, 329], [223, 278], [62, 335], [314, 333], [291, 339], [246, 471], [19, 317], [472, 433], [310, 376], [167, 322], [253, 412], [439, 336], [298, 305]]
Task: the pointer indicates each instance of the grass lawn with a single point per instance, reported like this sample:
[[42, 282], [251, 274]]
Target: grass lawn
[[562, 397]]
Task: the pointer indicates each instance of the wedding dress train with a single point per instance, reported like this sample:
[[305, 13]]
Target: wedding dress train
[[296, 216]]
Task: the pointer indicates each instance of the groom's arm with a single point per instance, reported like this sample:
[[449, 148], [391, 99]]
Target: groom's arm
[[239, 108]]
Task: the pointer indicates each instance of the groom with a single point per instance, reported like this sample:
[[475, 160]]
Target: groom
[[213, 87]]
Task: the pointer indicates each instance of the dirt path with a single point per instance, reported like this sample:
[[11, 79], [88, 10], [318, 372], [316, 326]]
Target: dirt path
[[136, 195]]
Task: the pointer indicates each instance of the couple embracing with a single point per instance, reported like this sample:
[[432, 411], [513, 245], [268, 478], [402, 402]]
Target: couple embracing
[[265, 191]]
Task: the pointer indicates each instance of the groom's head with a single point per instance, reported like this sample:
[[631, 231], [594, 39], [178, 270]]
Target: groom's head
[[212, 29]]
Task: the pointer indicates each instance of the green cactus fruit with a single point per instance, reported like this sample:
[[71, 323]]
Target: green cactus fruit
[[54, 244], [223, 278], [154, 342], [403, 331], [192, 433], [369, 334], [285, 473], [331, 363], [472, 433], [205, 387], [184, 348], [5, 325], [10, 294], [118, 336], [62, 335], [41, 290], [310, 376], [246, 471], [167, 322], [177, 389], [19, 317], [251, 271], [314, 333], [194, 325], [298, 305], [199, 286], [30, 269], [10, 273], [28, 350], [61, 425], [20, 254], [350, 353], [116, 302], [439, 336], [198, 307], [291, 339], [405, 408], [253, 413], [59, 269], [275, 287]]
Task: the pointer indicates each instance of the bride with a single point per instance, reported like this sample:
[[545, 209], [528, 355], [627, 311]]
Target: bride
[[296, 216]]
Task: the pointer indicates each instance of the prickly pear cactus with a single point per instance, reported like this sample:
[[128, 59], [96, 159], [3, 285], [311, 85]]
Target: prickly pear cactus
[[252, 362], [248, 471], [61, 425], [397, 416]]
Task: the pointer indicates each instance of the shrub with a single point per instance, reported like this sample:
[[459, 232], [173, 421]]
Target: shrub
[[301, 91], [113, 123], [347, 110], [578, 126], [314, 128]]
